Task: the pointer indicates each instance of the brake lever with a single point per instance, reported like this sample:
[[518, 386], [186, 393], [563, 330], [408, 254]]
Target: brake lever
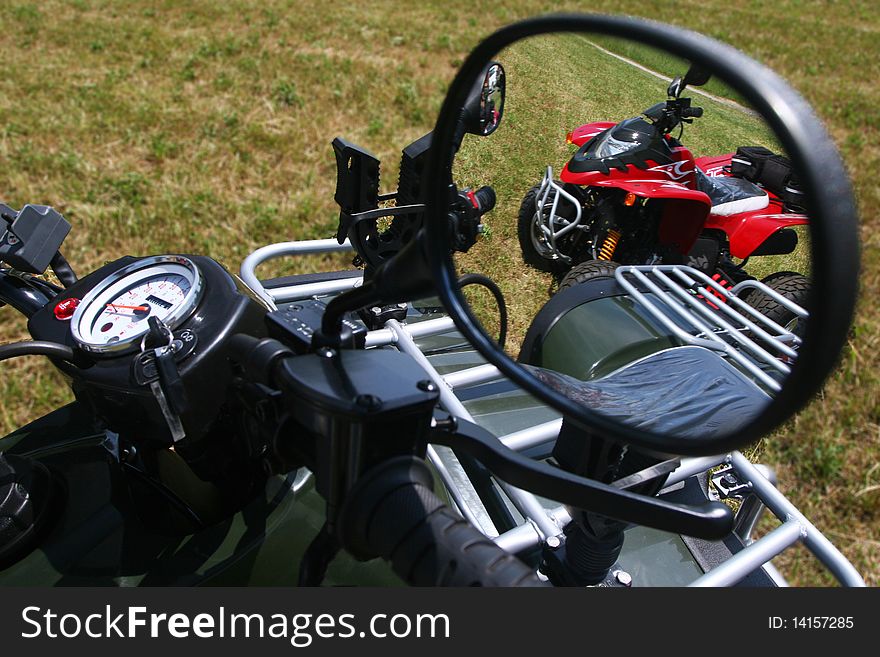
[[710, 521]]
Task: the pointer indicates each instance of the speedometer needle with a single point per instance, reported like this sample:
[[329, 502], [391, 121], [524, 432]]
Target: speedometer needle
[[137, 309]]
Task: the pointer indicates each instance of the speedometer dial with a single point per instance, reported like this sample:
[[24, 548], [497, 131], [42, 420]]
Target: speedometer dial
[[113, 315]]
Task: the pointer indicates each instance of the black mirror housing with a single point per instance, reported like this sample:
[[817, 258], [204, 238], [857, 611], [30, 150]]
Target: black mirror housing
[[481, 114]]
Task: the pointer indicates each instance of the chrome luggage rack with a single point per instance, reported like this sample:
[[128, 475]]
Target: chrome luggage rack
[[544, 521], [699, 311]]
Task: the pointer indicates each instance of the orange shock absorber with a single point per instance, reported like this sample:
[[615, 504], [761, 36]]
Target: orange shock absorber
[[609, 245]]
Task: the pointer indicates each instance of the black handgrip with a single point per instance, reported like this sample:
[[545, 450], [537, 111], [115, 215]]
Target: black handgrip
[[392, 513], [692, 112], [485, 198]]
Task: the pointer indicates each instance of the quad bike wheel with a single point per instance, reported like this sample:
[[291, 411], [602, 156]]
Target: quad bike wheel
[[793, 286], [589, 270], [534, 245]]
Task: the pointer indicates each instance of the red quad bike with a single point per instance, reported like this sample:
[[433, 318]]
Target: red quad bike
[[633, 194]]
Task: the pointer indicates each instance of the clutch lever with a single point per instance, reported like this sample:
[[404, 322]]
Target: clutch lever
[[710, 521]]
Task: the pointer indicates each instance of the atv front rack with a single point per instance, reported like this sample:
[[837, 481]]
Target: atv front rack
[[699, 311], [467, 380], [552, 225]]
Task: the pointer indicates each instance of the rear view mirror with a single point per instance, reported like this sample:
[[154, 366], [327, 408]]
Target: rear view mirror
[[631, 212], [481, 114], [696, 76]]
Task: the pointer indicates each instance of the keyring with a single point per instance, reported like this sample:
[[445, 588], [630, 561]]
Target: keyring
[[170, 338]]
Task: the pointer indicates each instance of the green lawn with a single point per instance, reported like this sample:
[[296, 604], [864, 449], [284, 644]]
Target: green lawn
[[162, 126]]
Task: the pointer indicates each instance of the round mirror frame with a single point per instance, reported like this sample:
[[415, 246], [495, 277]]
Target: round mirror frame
[[833, 220]]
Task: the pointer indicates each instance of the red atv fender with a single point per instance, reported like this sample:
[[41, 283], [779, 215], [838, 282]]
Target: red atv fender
[[580, 136], [746, 231]]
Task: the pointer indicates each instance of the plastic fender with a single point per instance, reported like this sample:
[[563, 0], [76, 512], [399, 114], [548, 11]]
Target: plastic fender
[[615, 177], [680, 171], [581, 135], [748, 230], [713, 165]]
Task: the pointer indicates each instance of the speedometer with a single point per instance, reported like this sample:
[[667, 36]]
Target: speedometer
[[113, 315]]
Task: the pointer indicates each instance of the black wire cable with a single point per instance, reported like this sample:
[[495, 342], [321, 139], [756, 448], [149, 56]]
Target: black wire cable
[[36, 348], [489, 284]]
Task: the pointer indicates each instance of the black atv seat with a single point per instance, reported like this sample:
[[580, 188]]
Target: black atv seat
[[683, 391], [731, 195]]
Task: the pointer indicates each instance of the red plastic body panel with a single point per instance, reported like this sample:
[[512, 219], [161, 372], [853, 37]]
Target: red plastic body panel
[[713, 165], [746, 231], [687, 210], [680, 170], [584, 133]]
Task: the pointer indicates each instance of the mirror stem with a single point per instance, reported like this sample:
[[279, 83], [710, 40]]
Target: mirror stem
[[403, 278]]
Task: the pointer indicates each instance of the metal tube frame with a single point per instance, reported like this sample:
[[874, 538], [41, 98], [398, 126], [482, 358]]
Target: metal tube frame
[[526, 503], [541, 523], [247, 271], [547, 225]]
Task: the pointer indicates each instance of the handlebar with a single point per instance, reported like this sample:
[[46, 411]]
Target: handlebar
[[669, 115], [466, 214], [392, 512], [485, 198]]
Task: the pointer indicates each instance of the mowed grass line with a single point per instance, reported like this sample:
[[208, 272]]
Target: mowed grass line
[[73, 135], [660, 62]]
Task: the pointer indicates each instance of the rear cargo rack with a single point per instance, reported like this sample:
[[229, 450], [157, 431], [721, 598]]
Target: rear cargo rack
[[699, 311]]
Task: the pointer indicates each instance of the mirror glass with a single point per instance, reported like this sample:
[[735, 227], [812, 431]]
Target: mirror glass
[[653, 252], [492, 99]]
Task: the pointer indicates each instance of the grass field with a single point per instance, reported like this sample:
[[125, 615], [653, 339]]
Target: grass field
[[159, 126]]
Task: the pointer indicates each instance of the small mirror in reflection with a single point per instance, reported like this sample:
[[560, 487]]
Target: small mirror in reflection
[[492, 99]]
